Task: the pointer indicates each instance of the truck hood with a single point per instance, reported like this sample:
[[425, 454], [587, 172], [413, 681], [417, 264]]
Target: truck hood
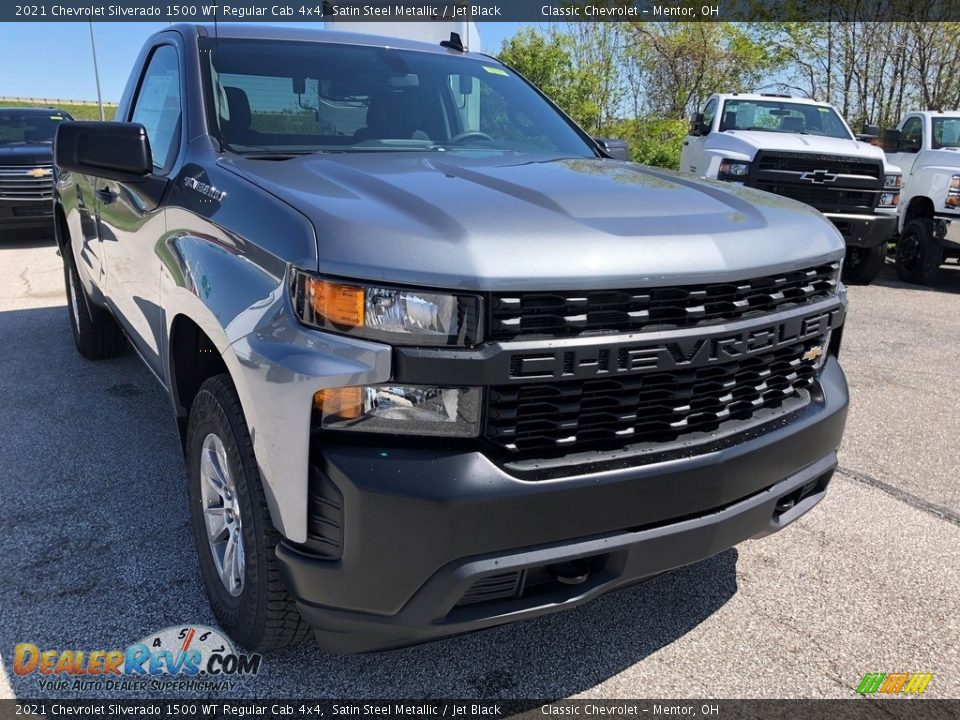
[[26, 154], [748, 142], [497, 223]]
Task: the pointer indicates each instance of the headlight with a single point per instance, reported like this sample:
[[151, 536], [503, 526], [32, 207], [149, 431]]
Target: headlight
[[401, 409], [733, 170], [953, 194], [399, 316], [892, 182]]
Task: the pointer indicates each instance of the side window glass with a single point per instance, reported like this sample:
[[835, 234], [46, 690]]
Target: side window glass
[[912, 134], [709, 112], [157, 106]]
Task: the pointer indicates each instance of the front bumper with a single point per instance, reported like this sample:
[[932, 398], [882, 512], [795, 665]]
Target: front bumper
[[864, 230], [421, 528], [26, 216]]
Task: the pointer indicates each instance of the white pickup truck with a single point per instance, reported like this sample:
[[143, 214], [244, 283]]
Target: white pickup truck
[[801, 149], [927, 146]]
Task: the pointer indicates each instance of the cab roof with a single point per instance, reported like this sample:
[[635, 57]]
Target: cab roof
[[767, 97], [253, 31]]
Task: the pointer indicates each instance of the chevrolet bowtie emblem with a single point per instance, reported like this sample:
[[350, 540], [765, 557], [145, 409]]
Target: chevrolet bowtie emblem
[[813, 353], [39, 172], [819, 176]]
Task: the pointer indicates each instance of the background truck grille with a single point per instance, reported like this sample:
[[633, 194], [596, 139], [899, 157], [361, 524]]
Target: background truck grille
[[555, 314], [854, 186], [16, 183], [805, 162], [608, 413]]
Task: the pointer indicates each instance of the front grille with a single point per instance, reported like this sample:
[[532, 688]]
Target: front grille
[[611, 413], [823, 197], [18, 182], [830, 183], [556, 314], [805, 162]]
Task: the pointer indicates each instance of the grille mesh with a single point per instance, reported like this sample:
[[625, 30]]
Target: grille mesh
[[555, 314], [16, 183], [609, 413]]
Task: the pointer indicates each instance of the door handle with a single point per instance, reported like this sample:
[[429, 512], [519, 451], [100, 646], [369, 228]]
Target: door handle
[[105, 195]]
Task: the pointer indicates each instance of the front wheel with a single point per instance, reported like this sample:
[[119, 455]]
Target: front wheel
[[862, 265], [918, 253], [234, 536], [96, 337]]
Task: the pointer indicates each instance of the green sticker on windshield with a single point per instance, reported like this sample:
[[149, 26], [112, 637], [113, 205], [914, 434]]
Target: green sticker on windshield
[[495, 71], [56, 117]]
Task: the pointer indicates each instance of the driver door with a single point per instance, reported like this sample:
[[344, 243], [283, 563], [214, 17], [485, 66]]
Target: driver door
[[131, 227], [693, 156]]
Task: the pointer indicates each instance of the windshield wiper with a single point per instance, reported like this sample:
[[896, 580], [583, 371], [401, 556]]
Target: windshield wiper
[[265, 155]]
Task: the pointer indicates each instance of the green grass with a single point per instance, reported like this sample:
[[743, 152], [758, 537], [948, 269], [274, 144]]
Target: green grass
[[80, 112]]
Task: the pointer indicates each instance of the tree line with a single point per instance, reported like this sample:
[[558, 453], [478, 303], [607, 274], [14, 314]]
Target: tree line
[[642, 80]]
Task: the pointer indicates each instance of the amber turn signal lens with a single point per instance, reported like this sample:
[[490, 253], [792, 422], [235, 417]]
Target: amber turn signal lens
[[344, 403], [336, 303]]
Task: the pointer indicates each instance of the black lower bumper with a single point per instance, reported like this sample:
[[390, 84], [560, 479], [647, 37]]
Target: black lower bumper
[[438, 543], [864, 230], [32, 216]]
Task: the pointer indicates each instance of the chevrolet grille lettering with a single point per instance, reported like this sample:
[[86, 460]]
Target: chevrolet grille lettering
[[637, 357]]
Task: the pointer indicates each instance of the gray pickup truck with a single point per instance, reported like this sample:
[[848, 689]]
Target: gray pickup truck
[[439, 362]]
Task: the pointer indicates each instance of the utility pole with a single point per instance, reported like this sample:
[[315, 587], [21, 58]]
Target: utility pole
[[96, 70]]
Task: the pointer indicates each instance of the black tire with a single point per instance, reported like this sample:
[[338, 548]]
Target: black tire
[[96, 337], [862, 265], [918, 253], [262, 616]]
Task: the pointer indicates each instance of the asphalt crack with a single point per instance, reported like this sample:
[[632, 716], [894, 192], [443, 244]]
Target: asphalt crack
[[903, 496]]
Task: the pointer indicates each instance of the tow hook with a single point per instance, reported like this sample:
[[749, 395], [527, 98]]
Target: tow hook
[[573, 572]]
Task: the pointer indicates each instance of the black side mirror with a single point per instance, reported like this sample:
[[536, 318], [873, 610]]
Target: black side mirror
[[892, 141], [617, 149], [870, 131], [697, 125], [112, 150]]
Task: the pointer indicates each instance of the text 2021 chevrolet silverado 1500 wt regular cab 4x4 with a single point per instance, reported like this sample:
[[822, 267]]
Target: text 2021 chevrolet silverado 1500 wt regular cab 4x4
[[438, 363], [26, 168], [803, 150], [927, 146]]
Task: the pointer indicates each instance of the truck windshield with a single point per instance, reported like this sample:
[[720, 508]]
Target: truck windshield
[[946, 132], [783, 117], [19, 127], [289, 97]]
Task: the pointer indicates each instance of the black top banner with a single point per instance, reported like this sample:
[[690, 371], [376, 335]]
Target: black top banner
[[482, 10]]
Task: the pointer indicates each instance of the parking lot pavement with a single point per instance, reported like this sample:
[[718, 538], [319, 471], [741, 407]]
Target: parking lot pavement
[[95, 549]]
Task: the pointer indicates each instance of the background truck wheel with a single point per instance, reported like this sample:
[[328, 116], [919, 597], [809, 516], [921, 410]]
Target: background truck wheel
[[98, 337], [234, 536], [918, 254], [862, 265]]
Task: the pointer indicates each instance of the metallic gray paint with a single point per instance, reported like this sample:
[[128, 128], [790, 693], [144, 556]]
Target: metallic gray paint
[[458, 221], [446, 220]]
